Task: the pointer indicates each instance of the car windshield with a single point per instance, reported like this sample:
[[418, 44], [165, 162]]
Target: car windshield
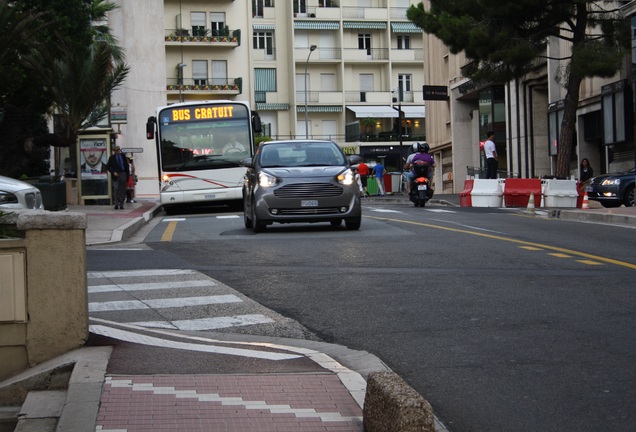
[[299, 154]]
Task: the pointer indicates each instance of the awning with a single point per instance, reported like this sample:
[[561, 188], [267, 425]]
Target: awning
[[264, 27], [271, 106], [319, 108], [412, 111], [316, 25], [364, 25], [405, 27], [384, 111]]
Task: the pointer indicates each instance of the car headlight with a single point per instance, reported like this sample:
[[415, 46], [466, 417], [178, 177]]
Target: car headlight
[[266, 180], [345, 177], [8, 198], [611, 182]]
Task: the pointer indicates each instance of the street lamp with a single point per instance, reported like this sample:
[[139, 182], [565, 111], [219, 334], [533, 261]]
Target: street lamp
[[311, 49]]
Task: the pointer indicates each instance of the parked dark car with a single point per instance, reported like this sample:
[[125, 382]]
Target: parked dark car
[[300, 181], [614, 189]]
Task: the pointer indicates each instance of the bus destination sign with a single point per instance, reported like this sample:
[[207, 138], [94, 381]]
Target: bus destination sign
[[201, 113]]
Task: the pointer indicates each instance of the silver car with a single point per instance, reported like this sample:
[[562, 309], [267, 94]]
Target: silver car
[[16, 194], [300, 181]]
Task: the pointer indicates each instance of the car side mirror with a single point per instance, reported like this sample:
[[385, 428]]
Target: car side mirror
[[247, 162]]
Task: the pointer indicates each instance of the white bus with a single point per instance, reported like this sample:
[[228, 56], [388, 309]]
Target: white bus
[[199, 146]]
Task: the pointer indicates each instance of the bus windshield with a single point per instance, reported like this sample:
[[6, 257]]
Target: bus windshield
[[204, 136]]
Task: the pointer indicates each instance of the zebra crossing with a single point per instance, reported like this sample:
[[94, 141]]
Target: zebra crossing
[[175, 299]]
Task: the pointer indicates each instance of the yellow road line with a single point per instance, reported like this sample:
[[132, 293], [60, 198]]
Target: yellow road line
[[169, 232], [511, 240]]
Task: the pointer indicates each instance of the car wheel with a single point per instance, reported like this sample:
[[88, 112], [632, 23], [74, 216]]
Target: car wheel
[[257, 226], [246, 220], [610, 204], [336, 222], [629, 198], [353, 223]]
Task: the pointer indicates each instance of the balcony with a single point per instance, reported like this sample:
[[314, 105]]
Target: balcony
[[364, 55], [206, 38], [216, 86]]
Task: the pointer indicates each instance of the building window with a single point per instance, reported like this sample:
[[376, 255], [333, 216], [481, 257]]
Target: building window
[[217, 23], [264, 81], [219, 72], [404, 42], [364, 42], [200, 72], [617, 112], [259, 5], [197, 19], [404, 86], [264, 41]]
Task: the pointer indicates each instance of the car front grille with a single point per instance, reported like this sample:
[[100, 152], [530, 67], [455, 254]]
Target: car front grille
[[308, 191], [309, 211]]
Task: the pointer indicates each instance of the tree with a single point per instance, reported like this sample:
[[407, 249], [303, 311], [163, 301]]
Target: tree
[[80, 81], [502, 39]]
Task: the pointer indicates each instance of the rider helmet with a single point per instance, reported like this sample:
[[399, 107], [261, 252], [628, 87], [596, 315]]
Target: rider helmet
[[415, 147], [424, 147]]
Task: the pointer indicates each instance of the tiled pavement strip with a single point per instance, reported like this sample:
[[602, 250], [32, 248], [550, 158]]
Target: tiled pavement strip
[[192, 403]]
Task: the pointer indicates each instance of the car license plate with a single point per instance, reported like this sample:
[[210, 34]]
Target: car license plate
[[309, 203], [421, 187], [210, 196]]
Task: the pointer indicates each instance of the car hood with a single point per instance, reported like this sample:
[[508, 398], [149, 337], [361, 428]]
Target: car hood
[[308, 172], [12, 185], [616, 174]]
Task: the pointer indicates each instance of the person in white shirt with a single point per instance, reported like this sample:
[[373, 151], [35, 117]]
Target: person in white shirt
[[491, 156], [234, 146]]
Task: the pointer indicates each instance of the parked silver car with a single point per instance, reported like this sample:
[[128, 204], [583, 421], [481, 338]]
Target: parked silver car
[[300, 181], [16, 194]]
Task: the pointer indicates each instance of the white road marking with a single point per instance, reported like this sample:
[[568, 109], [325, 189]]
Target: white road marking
[[131, 273], [440, 211], [228, 217], [207, 323], [379, 210], [162, 303], [174, 220], [153, 341], [150, 286]]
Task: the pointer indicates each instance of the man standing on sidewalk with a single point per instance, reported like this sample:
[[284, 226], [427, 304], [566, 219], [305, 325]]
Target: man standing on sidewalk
[[118, 168], [491, 156]]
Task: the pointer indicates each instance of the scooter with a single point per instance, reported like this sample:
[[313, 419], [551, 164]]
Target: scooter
[[421, 189]]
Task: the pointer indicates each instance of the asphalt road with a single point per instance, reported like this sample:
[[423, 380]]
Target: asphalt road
[[502, 321]]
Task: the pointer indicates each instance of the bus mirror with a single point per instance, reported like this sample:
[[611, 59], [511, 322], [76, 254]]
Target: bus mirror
[[256, 123], [150, 128]]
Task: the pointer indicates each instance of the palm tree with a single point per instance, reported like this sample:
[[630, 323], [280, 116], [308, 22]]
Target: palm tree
[[80, 83]]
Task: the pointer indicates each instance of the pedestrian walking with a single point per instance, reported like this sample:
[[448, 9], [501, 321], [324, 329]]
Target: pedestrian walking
[[363, 170], [131, 182], [379, 172], [119, 169]]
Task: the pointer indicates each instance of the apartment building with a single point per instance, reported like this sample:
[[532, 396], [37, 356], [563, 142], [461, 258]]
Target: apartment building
[[526, 114], [346, 70]]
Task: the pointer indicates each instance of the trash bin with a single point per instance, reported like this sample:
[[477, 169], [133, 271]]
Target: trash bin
[[372, 186], [486, 193], [53, 193], [396, 180], [560, 193], [517, 192]]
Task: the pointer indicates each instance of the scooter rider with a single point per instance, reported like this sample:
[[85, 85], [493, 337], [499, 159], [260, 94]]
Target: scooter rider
[[420, 154]]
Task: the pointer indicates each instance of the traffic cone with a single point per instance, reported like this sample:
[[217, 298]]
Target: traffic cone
[[531, 202], [586, 203]]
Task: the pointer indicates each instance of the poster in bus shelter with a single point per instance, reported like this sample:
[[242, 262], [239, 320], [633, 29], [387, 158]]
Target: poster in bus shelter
[[93, 172]]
